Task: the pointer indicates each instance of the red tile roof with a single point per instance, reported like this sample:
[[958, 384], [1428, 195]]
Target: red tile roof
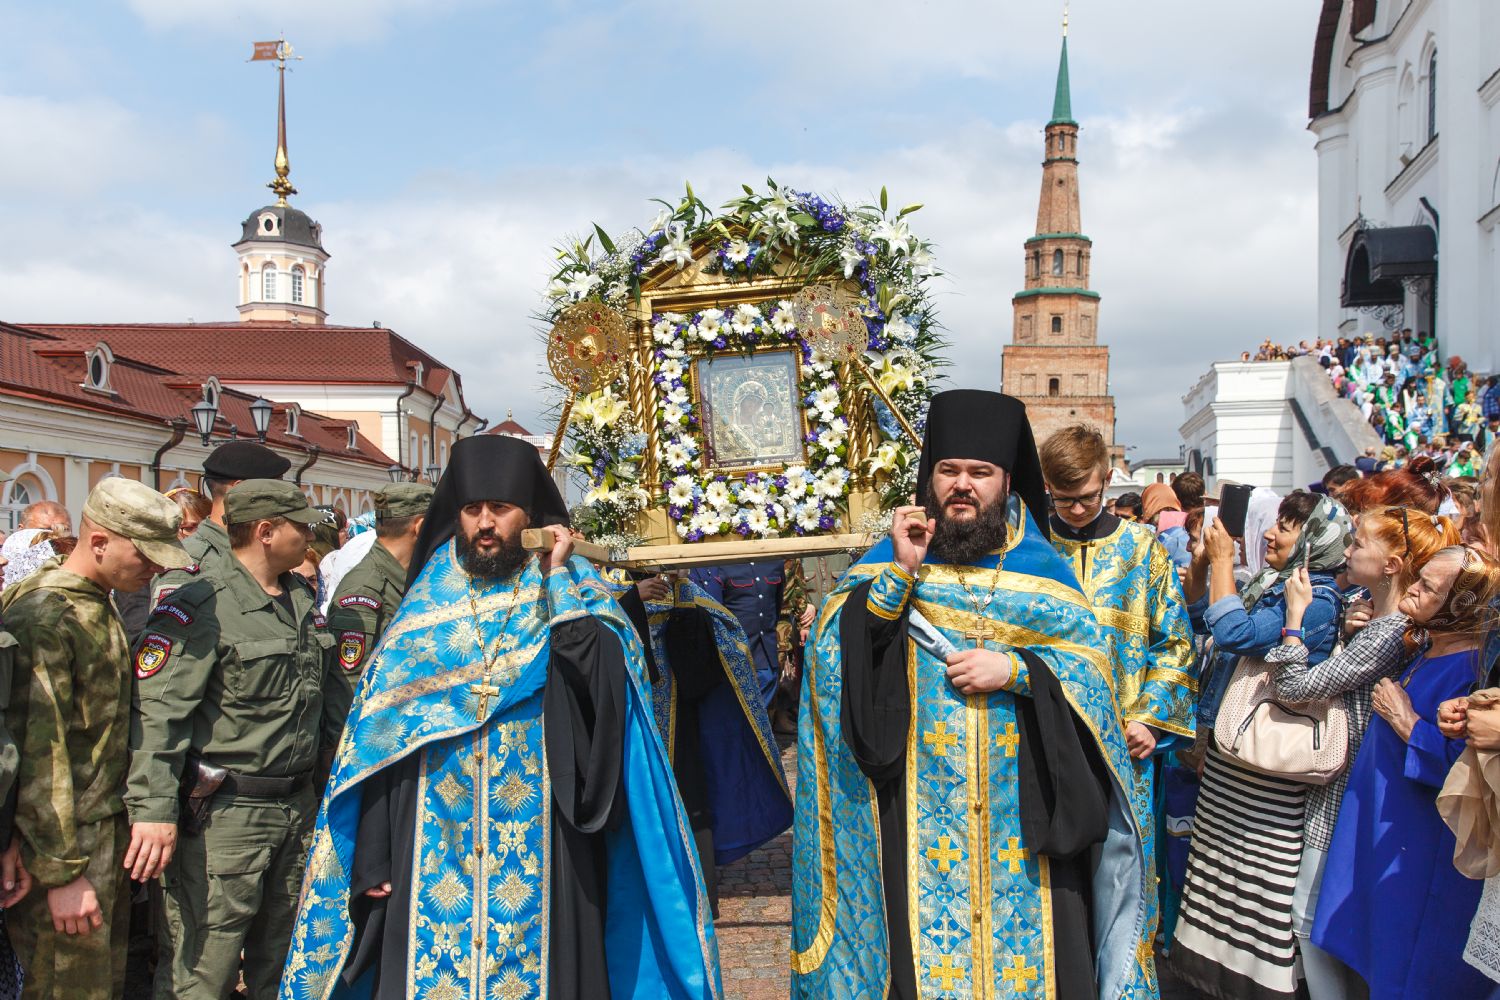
[[265, 351], [43, 365], [509, 426]]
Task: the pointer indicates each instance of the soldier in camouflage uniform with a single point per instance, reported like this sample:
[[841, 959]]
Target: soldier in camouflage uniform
[[70, 706], [369, 594], [232, 674], [228, 464]]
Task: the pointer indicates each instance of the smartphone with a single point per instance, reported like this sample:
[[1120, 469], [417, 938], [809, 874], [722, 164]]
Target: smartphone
[[1234, 504], [1210, 515]]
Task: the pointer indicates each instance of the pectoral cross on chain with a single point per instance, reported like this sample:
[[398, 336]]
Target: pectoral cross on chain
[[980, 632], [483, 691]]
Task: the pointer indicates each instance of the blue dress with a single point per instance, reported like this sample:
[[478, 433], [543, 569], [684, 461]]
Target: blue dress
[[1393, 907]]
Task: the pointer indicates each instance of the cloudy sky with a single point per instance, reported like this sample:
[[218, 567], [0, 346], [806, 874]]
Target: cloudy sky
[[446, 145]]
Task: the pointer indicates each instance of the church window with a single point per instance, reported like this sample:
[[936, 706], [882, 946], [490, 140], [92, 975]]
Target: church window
[[1054, 386], [292, 412], [353, 443], [1057, 263], [268, 283], [297, 275], [96, 376], [1432, 79], [1057, 324]]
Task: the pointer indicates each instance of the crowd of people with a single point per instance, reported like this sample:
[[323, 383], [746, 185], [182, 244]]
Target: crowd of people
[[1419, 404], [1252, 736]]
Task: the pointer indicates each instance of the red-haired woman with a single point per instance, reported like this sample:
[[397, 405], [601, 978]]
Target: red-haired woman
[[1389, 548], [1392, 906]]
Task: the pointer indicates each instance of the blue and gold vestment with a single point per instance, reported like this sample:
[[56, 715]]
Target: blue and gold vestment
[[979, 904], [1138, 600], [480, 881], [747, 788]]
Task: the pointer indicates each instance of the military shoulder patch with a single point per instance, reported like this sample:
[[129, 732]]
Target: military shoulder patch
[[163, 592], [192, 569], [319, 621], [360, 600], [152, 654], [172, 611], [351, 650]]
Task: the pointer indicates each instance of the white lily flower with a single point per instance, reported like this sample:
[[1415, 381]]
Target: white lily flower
[[780, 202], [676, 250], [662, 218], [557, 288], [786, 227], [886, 457], [852, 258], [922, 262], [598, 494], [580, 285]]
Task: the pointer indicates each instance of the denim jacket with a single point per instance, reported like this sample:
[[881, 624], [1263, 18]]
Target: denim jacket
[[1237, 632]]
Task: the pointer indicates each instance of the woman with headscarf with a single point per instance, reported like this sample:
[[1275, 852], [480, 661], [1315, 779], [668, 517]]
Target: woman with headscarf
[[1393, 907], [1234, 931]]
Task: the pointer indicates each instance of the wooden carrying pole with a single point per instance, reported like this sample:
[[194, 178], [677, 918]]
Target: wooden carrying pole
[[690, 554]]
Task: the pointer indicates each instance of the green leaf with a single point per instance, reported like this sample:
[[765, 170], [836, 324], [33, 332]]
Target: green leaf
[[604, 240], [803, 219], [690, 196], [884, 199], [748, 190], [908, 210], [770, 183]]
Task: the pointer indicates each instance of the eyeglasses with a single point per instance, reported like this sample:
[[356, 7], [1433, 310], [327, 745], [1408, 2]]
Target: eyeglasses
[[1066, 503]]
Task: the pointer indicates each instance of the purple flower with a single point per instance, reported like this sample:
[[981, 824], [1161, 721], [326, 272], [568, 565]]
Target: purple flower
[[742, 528], [825, 522]]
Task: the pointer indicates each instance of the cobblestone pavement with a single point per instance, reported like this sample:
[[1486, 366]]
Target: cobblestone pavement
[[755, 914]]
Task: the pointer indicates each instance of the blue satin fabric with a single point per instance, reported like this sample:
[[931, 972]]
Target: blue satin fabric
[[417, 696]]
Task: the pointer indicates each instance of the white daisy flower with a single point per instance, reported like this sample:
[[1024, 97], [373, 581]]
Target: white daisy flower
[[672, 415], [754, 495], [783, 321], [680, 493], [737, 251], [671, 370], [807, 517], [757, 520], [678, 395], [717, 495], [675, 455]]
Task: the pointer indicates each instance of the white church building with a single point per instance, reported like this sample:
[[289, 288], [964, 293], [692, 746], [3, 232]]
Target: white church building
[[1405, 104]]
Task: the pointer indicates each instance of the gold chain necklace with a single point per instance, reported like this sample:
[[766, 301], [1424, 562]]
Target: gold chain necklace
[[982, 629], [484, 690]]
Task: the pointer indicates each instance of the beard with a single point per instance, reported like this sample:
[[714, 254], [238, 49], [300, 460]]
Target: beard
[[965, 541], [493, 565]]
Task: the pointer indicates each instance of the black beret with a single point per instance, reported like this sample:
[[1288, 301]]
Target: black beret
[[235, 460]]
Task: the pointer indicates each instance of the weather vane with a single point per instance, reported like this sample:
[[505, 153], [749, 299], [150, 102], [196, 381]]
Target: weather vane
[[279, 50]]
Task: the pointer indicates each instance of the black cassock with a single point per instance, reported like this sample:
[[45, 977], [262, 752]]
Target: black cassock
[[1064, 788], [583, 705]]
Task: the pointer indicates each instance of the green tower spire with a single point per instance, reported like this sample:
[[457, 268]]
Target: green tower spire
[[1062, 103]]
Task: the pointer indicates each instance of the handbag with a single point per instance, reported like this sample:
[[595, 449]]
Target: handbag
[[1306, 742]]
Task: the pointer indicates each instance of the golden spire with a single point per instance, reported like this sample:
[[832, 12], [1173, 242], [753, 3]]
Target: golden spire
[[280, 50]]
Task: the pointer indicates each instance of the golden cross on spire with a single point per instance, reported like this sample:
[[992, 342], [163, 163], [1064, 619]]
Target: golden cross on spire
[[1065, 18], [279, 50]]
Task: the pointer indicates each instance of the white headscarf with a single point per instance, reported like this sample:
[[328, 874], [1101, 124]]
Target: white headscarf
[[26, 550], [1260, 514]]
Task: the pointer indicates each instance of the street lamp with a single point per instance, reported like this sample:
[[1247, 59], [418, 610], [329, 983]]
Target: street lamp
[[260, 414], [433, 471], [204, 415], [396, 473]]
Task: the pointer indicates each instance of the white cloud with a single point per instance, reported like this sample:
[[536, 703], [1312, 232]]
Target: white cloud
[[322, 22]]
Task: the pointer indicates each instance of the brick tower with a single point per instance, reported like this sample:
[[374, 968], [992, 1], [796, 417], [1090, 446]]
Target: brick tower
[[1055, 363]]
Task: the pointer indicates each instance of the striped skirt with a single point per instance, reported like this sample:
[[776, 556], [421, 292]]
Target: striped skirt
[[1234, 932]]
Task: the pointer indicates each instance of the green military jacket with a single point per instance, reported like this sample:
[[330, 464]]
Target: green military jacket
[[70, 709], [224, 672], [363, 605], [208, 546]]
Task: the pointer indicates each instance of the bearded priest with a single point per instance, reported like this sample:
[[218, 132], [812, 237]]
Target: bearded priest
[[963, 817], [501, 820]]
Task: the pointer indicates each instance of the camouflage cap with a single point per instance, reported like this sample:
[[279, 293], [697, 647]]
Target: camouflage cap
[[135, 511], [402, 500], [258, 499]]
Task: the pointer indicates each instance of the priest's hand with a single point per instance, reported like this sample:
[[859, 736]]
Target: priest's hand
[[653, 589], [911, 531], [381, 891], [978, 671], [562, 549], [1139, 740], [151, 847]]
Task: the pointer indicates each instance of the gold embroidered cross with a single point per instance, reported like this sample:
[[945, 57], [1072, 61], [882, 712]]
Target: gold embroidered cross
[[946, 973], [1019, 974], [1010, 739], [943, 855], [940, 739], [483, 691], [1014, 854]]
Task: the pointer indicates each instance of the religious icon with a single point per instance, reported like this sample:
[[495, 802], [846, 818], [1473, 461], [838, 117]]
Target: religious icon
[[751, 416]]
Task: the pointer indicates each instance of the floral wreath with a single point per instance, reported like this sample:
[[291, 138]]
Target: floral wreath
[[813, 238]]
